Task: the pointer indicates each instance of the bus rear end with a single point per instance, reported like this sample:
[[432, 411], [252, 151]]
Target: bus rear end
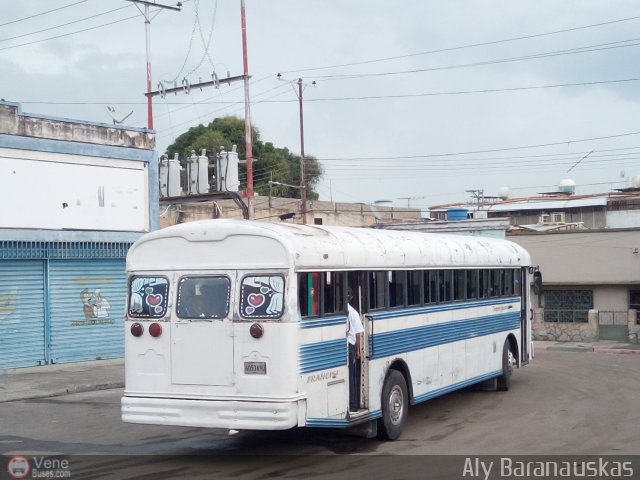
[[209, 347]]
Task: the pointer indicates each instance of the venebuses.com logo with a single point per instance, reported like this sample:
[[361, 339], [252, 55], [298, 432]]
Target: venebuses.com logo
[[18, 467]]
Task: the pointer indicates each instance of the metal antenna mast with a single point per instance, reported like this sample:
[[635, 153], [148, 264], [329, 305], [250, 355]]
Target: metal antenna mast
[[147, 23]]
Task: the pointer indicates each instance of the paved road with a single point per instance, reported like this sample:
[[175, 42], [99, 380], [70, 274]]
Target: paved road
[[562, 403]]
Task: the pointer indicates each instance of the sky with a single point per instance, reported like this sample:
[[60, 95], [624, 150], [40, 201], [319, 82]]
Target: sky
[[415, 102]]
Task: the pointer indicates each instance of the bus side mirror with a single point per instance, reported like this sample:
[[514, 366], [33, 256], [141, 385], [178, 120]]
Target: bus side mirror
[[537, 283]]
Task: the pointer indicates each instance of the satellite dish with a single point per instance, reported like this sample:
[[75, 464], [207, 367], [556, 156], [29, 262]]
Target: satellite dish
[[112, 110]]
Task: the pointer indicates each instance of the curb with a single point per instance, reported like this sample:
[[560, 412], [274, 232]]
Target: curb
[[628, 351], [572, 348], [568, 348], [66, 391]]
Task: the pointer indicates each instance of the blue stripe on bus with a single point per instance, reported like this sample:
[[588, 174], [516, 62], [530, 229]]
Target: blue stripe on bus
[[323, 355], [343, 422], [410, 339], [316, 322], [405, 312], [456, 386]]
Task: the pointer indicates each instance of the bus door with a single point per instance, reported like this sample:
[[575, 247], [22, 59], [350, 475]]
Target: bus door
[[201, 331], [525, 308], [367, 323], [356, 286]]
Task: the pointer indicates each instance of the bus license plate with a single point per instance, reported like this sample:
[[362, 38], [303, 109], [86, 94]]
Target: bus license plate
[[255, 368]]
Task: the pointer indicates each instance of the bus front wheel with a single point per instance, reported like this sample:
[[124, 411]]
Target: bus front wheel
[[395, 403], [508, 360]]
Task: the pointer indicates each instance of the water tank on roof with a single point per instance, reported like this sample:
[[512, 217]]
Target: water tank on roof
[[567, 186], [635, 181], [457, 213], [503, 193]]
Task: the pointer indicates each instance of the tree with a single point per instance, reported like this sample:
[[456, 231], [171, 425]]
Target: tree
[[274, 163]]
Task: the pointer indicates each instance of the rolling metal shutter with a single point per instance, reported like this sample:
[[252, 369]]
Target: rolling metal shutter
[[87, 305], [22, 313]]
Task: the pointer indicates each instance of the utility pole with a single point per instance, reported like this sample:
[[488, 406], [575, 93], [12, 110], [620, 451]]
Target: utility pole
[[247, 115], [303, 185], [147, 25]]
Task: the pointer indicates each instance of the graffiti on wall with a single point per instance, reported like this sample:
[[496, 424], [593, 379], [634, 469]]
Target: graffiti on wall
[[95, 308], [8, 304]]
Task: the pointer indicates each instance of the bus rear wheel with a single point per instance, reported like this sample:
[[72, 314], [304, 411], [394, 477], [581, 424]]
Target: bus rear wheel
[[508, 360], [395, 403]]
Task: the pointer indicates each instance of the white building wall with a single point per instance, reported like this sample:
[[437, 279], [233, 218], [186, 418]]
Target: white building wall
[[623, 219], [47, 190], [611, 297], [585, 258]]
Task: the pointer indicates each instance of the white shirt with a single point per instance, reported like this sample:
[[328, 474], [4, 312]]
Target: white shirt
[[355, 325]]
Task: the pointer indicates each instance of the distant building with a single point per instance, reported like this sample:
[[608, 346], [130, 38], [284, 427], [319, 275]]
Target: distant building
[[75, 195], [588, 250]]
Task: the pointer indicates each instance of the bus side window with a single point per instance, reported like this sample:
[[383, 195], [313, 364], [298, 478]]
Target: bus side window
[[517, 289], [431, 286], [495, 283], [507, 282], [309, 294], [472, 284], [333, 287], [459, 284], [444, 281], [397, 281], [377, 288], [414, 287]]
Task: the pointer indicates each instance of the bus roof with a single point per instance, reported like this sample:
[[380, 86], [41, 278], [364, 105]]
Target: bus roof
[[245, 244]]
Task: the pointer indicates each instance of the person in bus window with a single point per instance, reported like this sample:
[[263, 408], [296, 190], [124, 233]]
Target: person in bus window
[[354, 335]]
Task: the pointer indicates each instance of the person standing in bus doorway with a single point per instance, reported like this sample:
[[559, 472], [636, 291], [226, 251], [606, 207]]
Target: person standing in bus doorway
[[354, 335]]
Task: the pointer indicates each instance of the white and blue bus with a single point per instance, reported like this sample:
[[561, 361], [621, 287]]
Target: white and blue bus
[[242, 325]]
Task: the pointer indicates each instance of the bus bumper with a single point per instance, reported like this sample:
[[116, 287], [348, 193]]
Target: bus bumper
[[238, 415]]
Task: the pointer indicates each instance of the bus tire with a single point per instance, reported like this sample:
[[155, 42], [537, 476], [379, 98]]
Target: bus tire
[[504, 380], [395, 403]]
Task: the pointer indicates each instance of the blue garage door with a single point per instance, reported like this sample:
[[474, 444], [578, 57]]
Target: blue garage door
[[87, 305], [22, 334]]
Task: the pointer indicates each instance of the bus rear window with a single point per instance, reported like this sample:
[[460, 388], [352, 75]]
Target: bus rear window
[[148, 297], [203, 297], [262, 297]]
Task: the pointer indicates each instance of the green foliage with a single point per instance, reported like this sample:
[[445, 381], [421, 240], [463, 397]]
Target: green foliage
[[273, 163]]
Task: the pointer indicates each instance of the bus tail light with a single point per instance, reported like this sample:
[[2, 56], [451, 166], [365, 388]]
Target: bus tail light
[[256, 330], [155, 329], [137, 329]]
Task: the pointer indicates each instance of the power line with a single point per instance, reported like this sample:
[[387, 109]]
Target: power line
[[468, 92], [535, 56], [511, 157], [449, 154], [367, 97], [42, 13], [70, 33], [460, 47], [64, 24]]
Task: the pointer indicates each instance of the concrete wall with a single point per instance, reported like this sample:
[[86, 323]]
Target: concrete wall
[[344, 214], [623, 218], [611, 297], [585, 258], [60, 179], [591, 217], [485, 227], [579, 332]]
